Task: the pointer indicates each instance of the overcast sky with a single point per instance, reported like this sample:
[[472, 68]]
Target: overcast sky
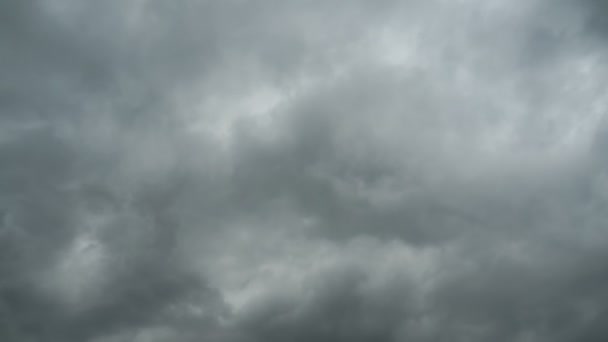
[[303, 171]]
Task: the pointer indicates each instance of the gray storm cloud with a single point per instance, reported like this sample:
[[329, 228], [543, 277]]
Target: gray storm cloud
[[248, 171]]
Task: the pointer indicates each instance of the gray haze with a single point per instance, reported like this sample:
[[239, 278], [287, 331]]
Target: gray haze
[[303, 171]]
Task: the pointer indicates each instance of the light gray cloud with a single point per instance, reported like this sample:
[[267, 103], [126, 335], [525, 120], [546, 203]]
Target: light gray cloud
[[302, 170]]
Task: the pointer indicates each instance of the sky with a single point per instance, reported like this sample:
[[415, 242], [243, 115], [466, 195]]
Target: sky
[[303, 170]]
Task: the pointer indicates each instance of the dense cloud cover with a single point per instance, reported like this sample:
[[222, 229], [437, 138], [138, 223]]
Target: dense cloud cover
[[315, 170]]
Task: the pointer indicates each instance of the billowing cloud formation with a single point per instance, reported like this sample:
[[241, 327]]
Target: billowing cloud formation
[[247, 171]]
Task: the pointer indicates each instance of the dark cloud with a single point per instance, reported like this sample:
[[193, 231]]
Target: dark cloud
[[243, 171]]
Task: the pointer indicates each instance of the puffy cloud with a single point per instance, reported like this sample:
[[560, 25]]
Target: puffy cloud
[[302, 170]]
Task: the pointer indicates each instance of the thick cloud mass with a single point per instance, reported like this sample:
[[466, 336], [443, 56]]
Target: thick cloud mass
[[252, 171]]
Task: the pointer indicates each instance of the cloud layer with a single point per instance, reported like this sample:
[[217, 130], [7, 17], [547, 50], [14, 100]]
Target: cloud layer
[[248, 171]]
